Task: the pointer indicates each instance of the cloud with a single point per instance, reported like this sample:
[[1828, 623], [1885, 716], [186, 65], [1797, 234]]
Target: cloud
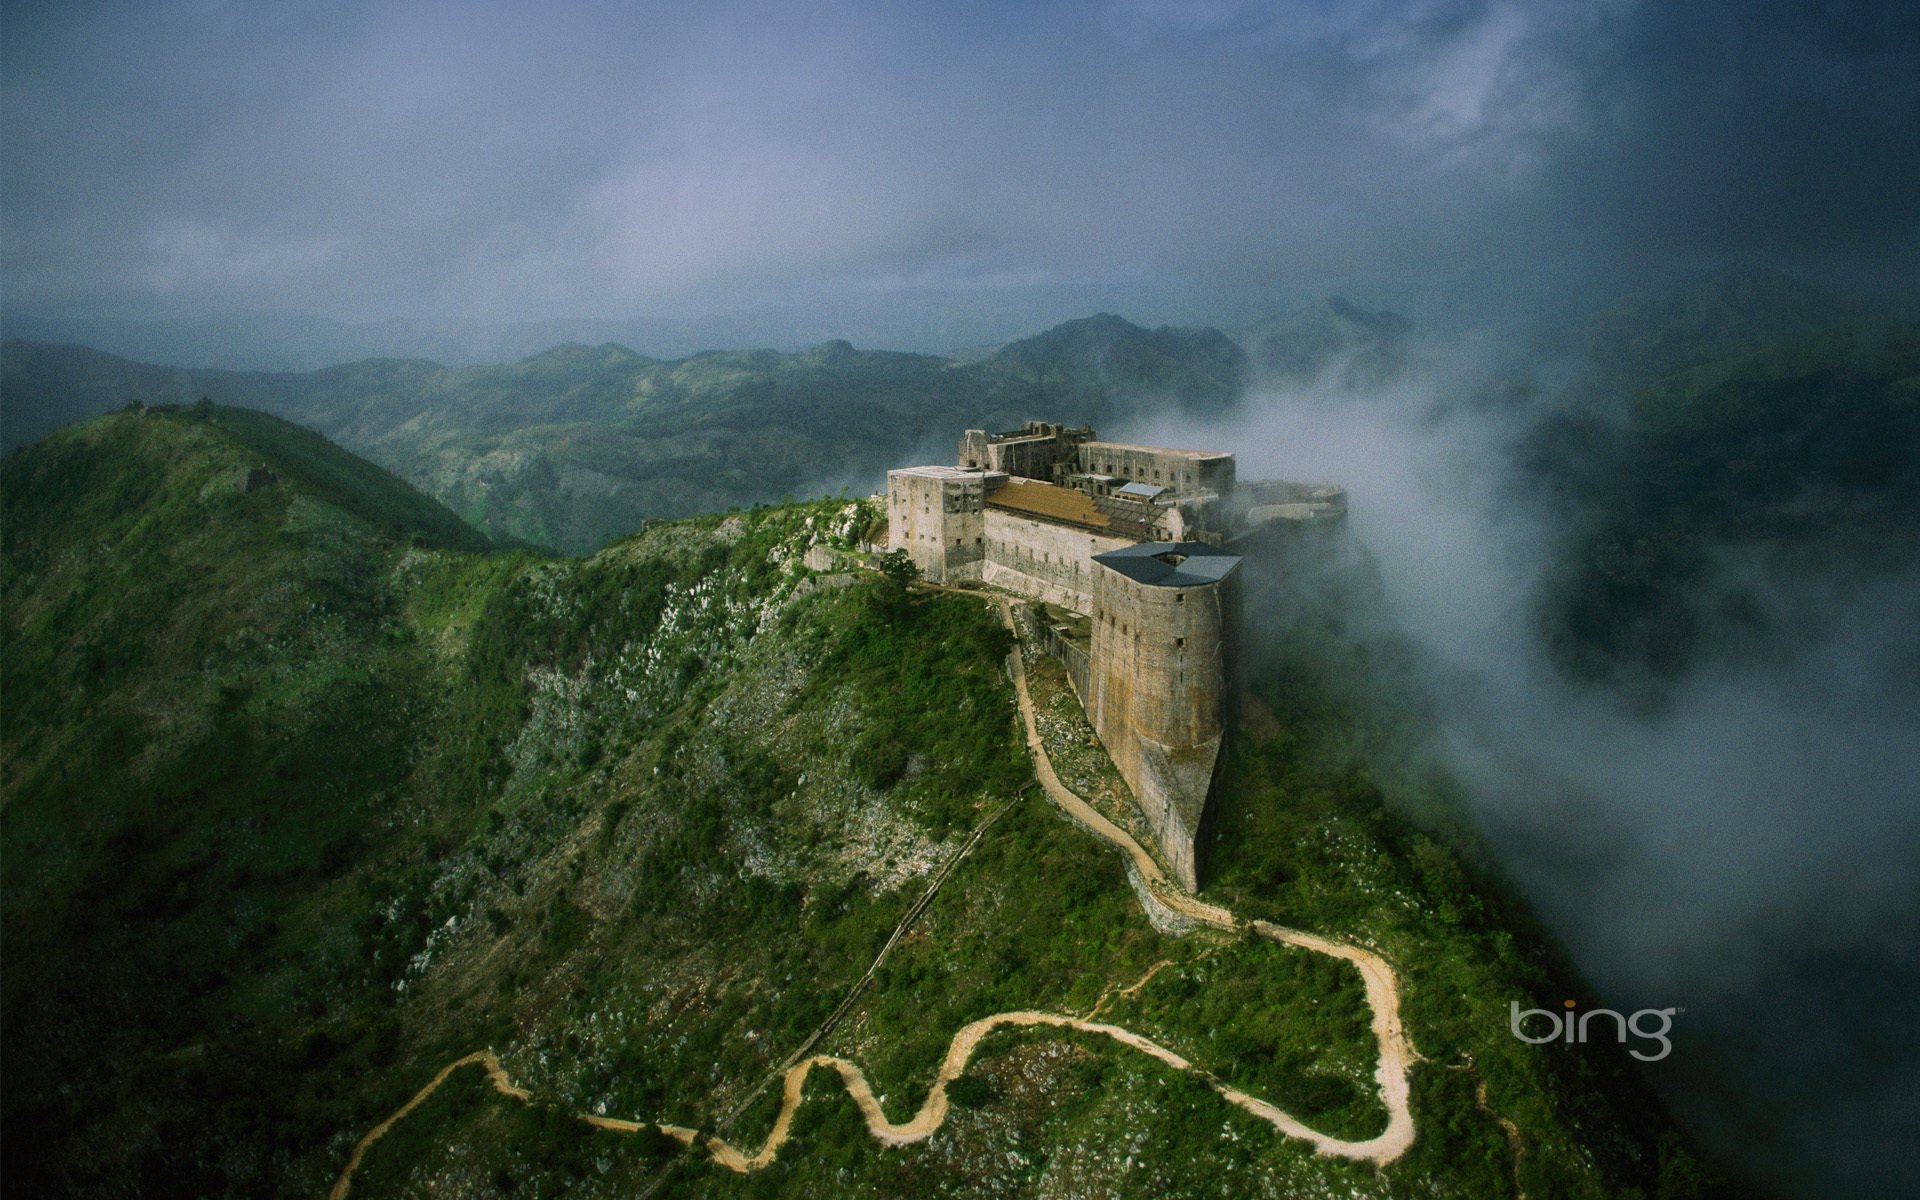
[[592, 158], [1750, 854]]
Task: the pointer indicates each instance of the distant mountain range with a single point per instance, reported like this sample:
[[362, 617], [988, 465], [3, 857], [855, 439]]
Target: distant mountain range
[[925, 320], [579, 444]]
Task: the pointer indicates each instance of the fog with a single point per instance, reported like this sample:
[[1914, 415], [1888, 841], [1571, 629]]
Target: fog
[[1748, 852]]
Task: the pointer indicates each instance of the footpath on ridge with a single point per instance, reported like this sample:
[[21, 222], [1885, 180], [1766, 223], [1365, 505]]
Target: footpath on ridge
[[1397, 1054]]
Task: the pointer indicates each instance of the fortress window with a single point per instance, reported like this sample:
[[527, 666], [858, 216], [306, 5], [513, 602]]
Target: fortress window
[[1179, 597], [1179, 642]]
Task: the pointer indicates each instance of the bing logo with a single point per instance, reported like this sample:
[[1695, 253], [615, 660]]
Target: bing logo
[[1567, 1028]]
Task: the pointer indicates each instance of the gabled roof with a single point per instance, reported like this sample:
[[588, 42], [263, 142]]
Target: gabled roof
[[1171, 564]]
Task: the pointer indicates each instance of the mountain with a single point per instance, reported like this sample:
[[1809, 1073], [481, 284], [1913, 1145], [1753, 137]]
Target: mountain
[[928, 320], [311, 797], [1352, 347], [1100, 361], [1715, 315], [45, 387], [1705, 527], [580, 444]]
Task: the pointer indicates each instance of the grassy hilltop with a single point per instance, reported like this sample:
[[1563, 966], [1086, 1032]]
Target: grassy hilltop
[[309, 791]]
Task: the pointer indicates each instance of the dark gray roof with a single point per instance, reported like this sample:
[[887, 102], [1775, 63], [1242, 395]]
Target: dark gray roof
[[1171, 564]]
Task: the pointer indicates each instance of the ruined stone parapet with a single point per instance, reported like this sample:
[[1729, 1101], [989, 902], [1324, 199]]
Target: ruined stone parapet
[[1041, 450], [1164, 622]]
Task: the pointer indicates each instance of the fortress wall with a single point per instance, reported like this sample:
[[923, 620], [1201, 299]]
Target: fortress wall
[[1039, 558], [935, 515], [1057, 641], [1186, 470], [1072, 655], [1030, 454], [1160, 683]]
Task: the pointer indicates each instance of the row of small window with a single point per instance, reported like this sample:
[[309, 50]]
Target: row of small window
[[1046, 557], [1141, 475], [1125, 631]]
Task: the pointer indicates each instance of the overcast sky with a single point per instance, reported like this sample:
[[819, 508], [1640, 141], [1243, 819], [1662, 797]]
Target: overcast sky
[[580, 159]]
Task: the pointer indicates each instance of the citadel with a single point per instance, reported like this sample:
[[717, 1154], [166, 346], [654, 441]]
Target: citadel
[[1144, 544]]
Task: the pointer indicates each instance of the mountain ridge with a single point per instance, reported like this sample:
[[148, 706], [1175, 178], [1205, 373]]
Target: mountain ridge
[[578, 444]]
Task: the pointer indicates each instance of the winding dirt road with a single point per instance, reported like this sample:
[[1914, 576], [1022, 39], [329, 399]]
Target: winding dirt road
[[1397, 1054]]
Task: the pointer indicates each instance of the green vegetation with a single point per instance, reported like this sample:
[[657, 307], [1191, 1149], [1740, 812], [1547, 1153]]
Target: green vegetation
[[577, 446], [1733, 478], [306, 795]]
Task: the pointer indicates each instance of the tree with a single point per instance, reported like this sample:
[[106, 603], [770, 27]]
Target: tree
[[896, 571], [897, 566]]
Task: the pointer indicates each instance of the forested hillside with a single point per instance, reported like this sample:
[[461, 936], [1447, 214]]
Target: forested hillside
[[309, 794]]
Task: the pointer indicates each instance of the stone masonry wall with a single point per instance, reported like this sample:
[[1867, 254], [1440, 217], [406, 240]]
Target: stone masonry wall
[[1044, 560], [1156, 680], [1161, 679], [938, 520], [1168, 468]]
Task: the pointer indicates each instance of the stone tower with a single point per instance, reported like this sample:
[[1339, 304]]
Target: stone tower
[[1164, 622], [937, 515]]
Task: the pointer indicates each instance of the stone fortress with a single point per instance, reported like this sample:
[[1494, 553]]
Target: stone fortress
[[1145, 544]]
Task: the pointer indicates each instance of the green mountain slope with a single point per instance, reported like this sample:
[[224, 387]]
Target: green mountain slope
[[1102, 362], [302, 804]]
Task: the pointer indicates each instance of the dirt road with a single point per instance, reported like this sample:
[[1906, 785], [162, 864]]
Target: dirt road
[[1397, 1053]]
